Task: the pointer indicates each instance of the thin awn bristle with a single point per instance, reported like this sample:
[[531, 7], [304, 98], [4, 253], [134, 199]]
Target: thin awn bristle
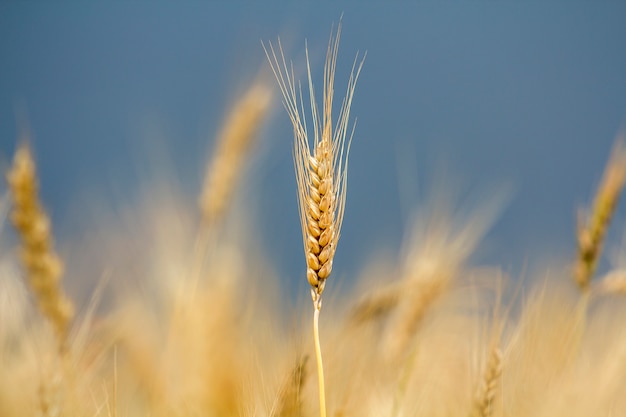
[[233, 145], [591, 235], [320, 162], [43, 266]]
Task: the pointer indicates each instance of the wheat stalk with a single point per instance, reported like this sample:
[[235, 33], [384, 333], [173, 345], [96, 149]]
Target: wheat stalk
[[232, 147], [483, 406], [321, 171], [43, 266], [377, 303], [591, 235], [290, 398]]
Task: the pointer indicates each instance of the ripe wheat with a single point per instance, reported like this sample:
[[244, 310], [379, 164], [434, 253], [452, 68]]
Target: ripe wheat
[[321, 172], [43, 266], [591, 235]]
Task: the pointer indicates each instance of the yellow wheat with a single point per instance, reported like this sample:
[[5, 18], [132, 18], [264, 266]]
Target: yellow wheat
[[321, 166], [43, 267], [233, 145], [591, 235], [483, 407], [290, 397]]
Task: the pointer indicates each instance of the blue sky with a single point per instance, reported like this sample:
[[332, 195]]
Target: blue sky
[[520, 93]]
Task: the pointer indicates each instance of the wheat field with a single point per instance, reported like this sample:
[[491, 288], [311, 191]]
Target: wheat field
[[196, 322]]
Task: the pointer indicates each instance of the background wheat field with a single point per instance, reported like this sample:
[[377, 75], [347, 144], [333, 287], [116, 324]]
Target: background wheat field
[[152, 260]]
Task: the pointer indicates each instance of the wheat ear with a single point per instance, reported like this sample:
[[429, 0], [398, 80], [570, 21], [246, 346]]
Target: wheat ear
[[290, 399], [233, 145], [483, 406], [43, 266], [321, 171], [591, 235]]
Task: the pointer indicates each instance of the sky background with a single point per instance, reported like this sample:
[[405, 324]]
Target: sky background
[[523, 94]]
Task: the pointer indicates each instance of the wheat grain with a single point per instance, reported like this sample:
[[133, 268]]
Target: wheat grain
[[43, 267]]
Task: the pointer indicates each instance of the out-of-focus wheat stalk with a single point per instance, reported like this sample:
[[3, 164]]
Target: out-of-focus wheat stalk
[[483, 406], [43, 266], [290, 397], [437, 250], [233, 146], [321, 172], [377, 303], [591, 235]]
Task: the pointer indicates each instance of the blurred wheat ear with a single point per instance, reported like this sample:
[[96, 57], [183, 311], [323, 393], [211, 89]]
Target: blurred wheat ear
[[591, 235], [42, 265], [233, 145], [483, 405], [321, 169], [290, 397]]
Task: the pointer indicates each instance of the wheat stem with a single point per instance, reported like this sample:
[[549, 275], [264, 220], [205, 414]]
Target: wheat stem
[[317, 306], [290, 398]]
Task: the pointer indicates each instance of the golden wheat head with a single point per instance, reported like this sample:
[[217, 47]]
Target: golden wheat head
[[591, 235], [234, 143], [483, 406], [320, 162], [43, 266]]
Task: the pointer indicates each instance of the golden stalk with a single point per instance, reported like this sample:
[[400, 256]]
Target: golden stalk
[[290, 399], [483, 406], [43, 266], [321, 171], [232, 147], [591, 235]]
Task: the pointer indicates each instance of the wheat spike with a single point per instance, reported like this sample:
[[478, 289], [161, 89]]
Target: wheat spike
[[43, 267], [321, 171], [591, 235], [233, 145], [377, 303], [483, 407], [290, 398], [320, 165]]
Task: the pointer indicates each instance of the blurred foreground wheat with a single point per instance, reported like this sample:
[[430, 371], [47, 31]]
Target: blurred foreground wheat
[[207, 332]]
